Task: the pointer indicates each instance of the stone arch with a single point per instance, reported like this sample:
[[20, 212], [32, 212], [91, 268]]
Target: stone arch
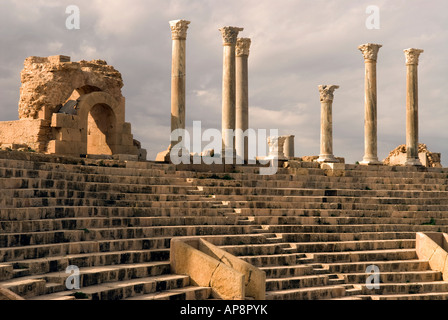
[[101, 129], [48, 83], [57, 99], [85, 89], [101, 122]]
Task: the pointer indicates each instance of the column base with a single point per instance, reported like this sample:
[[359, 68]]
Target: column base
[[413, 162], [327, 158], [371, 162]]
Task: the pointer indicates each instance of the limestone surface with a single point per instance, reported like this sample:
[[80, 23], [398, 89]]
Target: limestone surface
[[50, 81]]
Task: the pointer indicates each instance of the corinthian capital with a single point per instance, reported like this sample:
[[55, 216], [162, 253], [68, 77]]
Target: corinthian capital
[[370, 50], [229, 35], [242, 47], [326, 92], [412, 55], [179, 29]]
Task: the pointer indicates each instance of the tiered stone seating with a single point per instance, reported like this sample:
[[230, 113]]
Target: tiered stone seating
[[314, 235]]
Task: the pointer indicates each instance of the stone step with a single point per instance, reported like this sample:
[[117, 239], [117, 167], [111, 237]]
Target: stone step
[[6, 272], [367, 185], [422, 296], [407, 288], [316, 293], [275, 284], [354, 228], [94, 234], [110, 222], [190, 209], [316, 204], [84, 260], [272, 259], [348, 236], [59, 249], [26, 288], [256, 249], [396, 277], [256, 198], [384, 266], [320, 192], [339, 246], [371, 256], [80, 177], [347, 220], [186, 293], [263, 212], [102, 195], [55, 281], [287, 271], [125, 289]]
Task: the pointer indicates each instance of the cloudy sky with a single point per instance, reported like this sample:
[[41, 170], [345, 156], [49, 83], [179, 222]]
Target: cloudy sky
[[296, 45]]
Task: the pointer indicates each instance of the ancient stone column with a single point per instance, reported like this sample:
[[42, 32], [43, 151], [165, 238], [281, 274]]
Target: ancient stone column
[[370, 53], [412, 56], [242, 97], [288, 148], [326, 123], [276, 146], [229, 37], [179, 36]]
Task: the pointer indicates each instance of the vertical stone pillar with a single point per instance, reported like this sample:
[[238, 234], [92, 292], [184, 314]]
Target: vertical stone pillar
[[288, 148], [178, 68], [229, 37], [242, 97], [326, 123], [370, 53], [412, 56], [276, 146]]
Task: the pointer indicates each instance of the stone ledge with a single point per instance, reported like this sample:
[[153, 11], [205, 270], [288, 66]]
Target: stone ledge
[[433, 247], [207, 265]]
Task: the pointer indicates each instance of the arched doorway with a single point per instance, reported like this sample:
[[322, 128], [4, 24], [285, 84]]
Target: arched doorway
[[101, 126]]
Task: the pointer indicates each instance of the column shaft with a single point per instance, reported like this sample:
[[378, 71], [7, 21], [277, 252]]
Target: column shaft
[[370, 53], [370, 124], [326, 124], [326, 130], [229, 35], [178, 86], [178, 75], [411, 113], [242, 98], [228, 98], [412, 56], [289, 147]]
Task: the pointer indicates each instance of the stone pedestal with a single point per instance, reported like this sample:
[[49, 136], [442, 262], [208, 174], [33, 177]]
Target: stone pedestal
[[178, 68], [412, 56], [288, 148], [276, 145], [242, 97], [370, 53], [326, 123], [229, 36]]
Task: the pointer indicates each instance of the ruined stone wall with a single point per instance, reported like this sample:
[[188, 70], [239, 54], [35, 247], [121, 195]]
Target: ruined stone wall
[[91, 123], [49, 82], [24, 134], [428, 159]]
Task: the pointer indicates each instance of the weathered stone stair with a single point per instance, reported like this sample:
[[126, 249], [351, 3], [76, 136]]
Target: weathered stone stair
[[314, 235]]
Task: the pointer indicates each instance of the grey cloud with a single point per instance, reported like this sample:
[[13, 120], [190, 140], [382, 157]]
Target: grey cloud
[[296, 45]]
